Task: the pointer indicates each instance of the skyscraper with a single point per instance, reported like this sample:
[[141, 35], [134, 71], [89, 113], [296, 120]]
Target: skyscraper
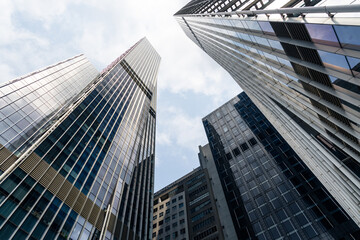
[[270, 192], [186, 209], [299, 63], [77, 149]]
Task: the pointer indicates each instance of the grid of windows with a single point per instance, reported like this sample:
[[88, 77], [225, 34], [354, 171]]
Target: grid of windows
[[271, 180], [304, 66], [98, 128]]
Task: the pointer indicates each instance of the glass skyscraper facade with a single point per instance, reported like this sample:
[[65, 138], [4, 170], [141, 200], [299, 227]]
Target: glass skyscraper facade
[[299, 63], [77, 149], [269, 190]]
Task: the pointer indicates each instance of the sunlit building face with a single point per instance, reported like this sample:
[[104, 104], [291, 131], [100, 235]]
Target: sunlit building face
[[77, 149], [300, 66]]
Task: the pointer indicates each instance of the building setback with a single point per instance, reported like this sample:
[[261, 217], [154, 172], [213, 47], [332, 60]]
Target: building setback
[[269, 190], [77, 149], [299, 63], [186, 209]]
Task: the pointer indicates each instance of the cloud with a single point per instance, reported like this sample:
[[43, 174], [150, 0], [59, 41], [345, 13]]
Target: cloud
[[37, 33], [177, 128]]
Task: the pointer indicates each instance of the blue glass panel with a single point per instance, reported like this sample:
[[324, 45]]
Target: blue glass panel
[[354, 65], [7, 230], [334, 61], [253, 25], [321, 33], [29, 223], [267, 28], [348, 36], [276, 45]]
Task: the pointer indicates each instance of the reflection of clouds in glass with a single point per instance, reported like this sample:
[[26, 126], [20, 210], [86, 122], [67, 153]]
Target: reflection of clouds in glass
[[322, 33], [29, 102], [335, 60], [348, 36]]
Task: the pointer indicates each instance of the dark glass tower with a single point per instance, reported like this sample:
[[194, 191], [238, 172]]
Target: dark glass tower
[[77, 149], [269, 190], [299, 63]]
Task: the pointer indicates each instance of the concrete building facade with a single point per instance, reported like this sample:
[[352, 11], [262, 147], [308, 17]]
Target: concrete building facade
[[186, 209]]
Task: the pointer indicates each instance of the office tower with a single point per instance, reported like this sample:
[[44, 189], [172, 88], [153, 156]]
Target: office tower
[[77, 149], [207, 163], [269, 190], [299, 63], [186, 209]]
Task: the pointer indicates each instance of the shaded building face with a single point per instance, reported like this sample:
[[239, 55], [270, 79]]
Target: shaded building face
[[82, 166], [186, 209], [301, 69], [269, 190]]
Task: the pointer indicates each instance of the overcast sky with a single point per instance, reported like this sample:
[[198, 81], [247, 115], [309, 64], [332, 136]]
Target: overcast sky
[[37, 33]]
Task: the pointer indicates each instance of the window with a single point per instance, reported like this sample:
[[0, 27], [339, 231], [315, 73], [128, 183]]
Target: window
[[228, 156], [167, 237], [335, 61], [182, 231], [175, 234], [174, 200], [161, 231], [197, 208], [161, 214], [266, 27], [168, 203], [155, 210], [161, 206], [322, 33], [173, 216], [181, 205], [167, 211], [167, 219], [182, 221], [354, 65], [180, 197], [236, 151], [154, 234], [199, 198], [174, 224], [154, 225], [161, 222], [252, 141], [348, 36], [244, 147], [167, 228], [181, 213], [154, 217]]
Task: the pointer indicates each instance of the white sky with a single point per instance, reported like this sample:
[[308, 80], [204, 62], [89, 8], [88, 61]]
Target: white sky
[[37, 33]]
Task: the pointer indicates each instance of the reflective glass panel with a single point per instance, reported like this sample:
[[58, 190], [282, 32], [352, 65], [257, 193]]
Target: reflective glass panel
[[354, 65], [253, 25], [334, 61], [276, 45], [324, 34], [348, 36], [345, 84], [267, 28]]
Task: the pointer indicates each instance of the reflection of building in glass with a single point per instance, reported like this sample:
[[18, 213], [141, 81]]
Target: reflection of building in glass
[[269, 190], [300, 66], [186, 209], [77, 149]]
